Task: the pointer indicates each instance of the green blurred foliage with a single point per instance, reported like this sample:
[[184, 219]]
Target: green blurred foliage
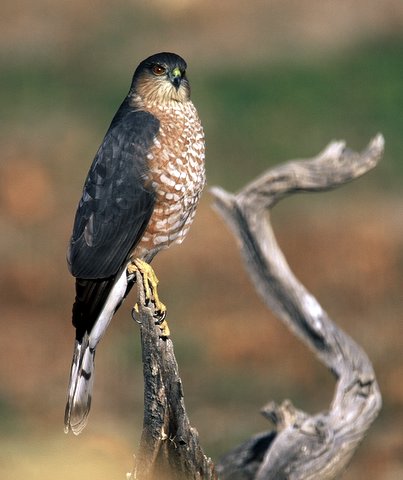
[[267, 114]]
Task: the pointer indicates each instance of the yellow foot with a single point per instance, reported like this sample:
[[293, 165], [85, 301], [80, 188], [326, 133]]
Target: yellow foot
[[150, 282], [165, 332]]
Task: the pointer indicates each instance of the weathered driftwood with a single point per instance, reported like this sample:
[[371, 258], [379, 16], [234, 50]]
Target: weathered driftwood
[[302, 446]]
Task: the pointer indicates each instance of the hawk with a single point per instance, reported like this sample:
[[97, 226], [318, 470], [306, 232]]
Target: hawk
[[139, 197]]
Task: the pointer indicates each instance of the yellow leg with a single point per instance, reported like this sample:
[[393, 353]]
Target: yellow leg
[[150, 282]]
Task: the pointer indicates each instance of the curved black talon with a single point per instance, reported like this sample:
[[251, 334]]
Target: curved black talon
[[160, 316], [135, 314]]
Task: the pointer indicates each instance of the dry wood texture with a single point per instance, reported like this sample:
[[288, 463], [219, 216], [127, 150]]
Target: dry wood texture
[[169, 446], [302, 446]]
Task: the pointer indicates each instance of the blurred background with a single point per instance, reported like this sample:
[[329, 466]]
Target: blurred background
[[272, 80]]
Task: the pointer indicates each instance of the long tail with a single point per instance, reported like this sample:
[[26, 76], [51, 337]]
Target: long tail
[[82, 367]]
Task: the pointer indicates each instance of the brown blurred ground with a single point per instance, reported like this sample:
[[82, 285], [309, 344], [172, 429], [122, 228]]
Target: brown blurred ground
[[346, 246]]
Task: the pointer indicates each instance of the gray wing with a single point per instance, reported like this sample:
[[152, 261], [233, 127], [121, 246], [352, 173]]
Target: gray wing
[[117, 203]]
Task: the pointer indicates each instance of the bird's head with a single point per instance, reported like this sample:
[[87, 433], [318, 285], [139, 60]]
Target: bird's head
[[161, 78]]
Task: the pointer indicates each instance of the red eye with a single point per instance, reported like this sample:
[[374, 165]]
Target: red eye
[[158, 70]]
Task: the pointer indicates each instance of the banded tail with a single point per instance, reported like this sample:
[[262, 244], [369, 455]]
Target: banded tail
[[89, 333]]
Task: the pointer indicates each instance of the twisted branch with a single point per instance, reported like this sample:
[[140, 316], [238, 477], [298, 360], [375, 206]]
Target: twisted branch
[[304, 446]]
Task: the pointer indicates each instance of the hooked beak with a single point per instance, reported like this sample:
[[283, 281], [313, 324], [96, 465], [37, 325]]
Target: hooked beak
[[175, 76]]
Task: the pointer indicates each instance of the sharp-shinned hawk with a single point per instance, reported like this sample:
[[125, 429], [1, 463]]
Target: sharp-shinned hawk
[[139, 197]]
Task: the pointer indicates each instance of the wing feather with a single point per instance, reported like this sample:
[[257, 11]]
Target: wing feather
[[117, 202]]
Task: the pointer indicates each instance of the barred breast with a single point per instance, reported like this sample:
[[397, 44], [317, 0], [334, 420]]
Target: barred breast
[[177, 173]]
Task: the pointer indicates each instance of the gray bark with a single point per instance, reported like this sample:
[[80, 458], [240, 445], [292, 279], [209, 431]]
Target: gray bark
[[304, 446]]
